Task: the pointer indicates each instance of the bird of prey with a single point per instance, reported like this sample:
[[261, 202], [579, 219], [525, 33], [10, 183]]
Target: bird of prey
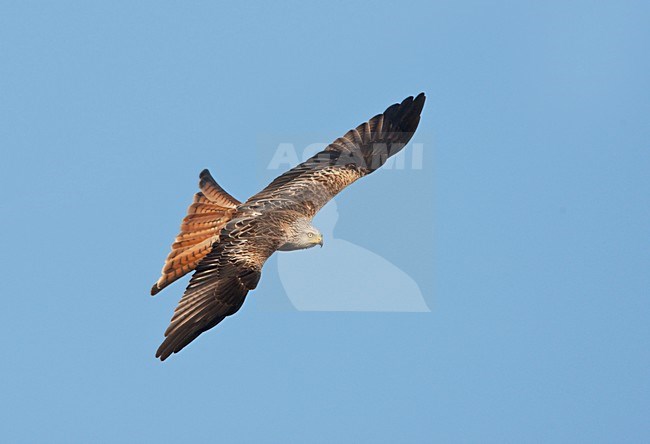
[[226, 242]]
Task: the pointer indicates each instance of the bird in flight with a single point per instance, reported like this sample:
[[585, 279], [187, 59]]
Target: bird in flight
[[226, 242]]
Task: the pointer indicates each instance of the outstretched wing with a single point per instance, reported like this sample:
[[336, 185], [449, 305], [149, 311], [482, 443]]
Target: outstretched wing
[[310, 185], [221, 281]]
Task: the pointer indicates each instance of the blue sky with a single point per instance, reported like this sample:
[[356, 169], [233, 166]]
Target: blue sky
[[527, 228]]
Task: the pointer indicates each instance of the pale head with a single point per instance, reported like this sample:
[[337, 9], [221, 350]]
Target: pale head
[[302, 235]]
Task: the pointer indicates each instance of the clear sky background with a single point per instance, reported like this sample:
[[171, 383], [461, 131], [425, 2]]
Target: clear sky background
[[527, 229]]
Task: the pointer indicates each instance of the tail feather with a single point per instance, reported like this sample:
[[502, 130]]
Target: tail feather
[[214, 192], [209, 212]]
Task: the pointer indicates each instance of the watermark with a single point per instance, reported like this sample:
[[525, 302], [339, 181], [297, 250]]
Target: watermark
[[348, 275], [287, 155]]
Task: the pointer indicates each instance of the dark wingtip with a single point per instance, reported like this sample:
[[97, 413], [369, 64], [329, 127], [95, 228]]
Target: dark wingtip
[[414, 105], [163, 351], [155, 290], [419, 101], [406, 115]]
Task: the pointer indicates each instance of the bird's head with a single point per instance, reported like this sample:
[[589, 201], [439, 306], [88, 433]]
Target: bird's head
[[304, 235]]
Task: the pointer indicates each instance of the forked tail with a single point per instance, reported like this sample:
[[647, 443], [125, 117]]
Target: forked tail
[[210, 211]]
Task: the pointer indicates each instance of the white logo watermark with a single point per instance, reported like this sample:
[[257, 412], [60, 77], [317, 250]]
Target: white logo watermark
[[286, 156], [343, 276]]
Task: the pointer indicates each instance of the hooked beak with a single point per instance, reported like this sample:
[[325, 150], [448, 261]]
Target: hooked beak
[[320, 241]]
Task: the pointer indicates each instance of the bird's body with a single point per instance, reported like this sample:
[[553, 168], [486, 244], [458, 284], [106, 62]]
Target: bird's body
[[227, 242]]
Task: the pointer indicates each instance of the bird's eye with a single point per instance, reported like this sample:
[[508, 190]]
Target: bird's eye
[[310, 234]]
